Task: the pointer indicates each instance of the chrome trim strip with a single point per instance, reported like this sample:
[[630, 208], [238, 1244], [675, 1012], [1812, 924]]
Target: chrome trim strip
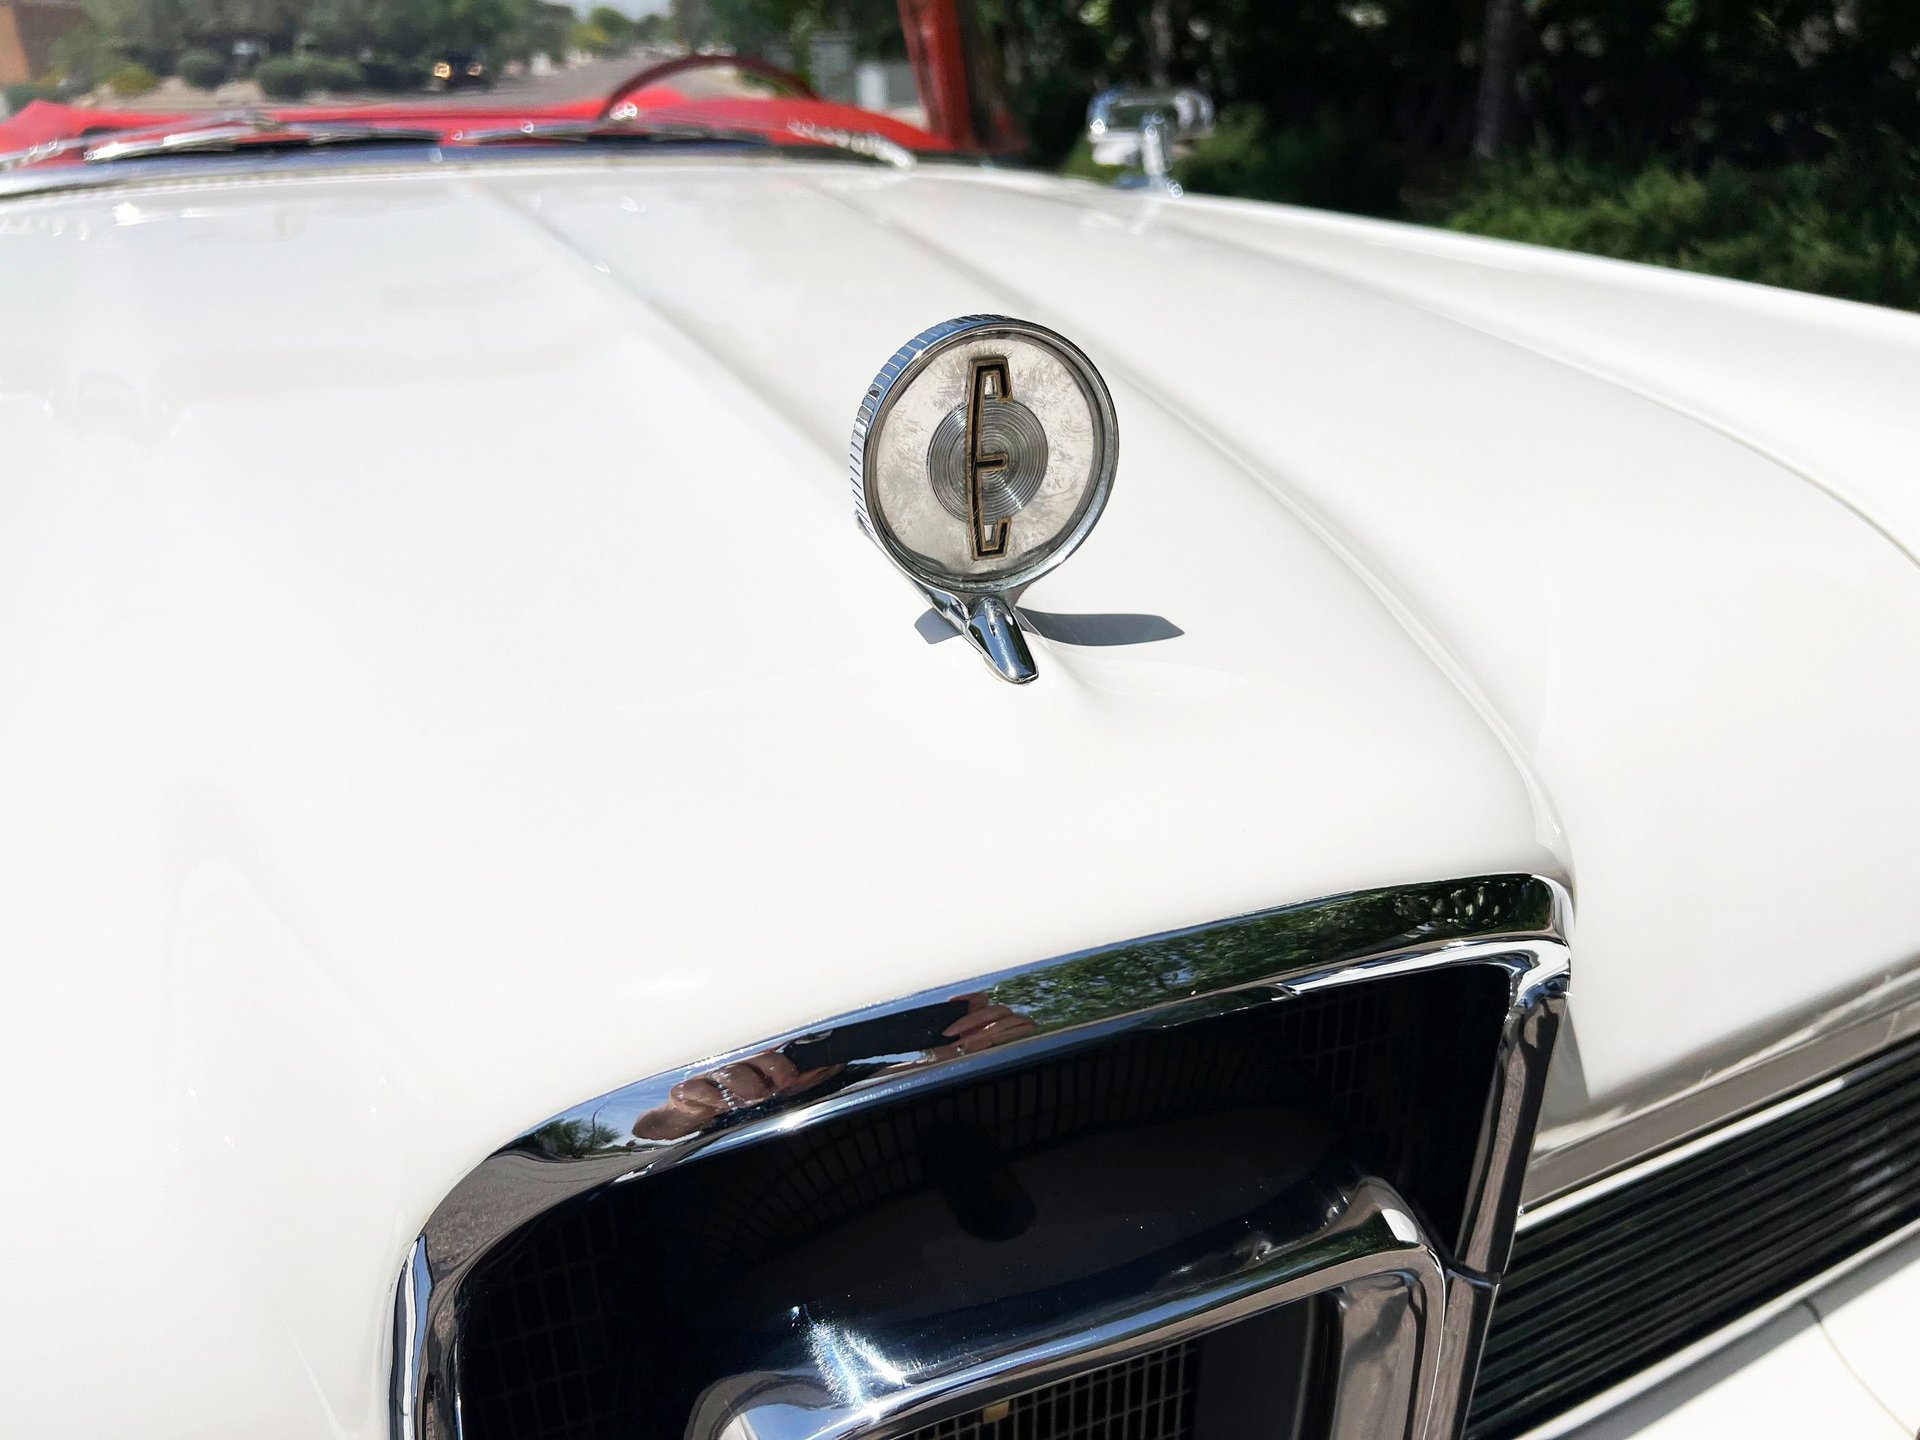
[[1654, 1375], [1532, 1215], [1756, 1069], [409, 1338], [1515, 922]]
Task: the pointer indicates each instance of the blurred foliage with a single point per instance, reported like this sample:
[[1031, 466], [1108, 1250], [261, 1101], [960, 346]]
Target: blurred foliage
[[396, 36], [201, 69], [1144, 973], [1772, 140], [83, 56], [1749, 81], [605, 31], [131, 79], [23, 94], [783, 30], [282, 77], [334, 73], [1846, 225], [1330, 161], [617, 26], [391, 73]]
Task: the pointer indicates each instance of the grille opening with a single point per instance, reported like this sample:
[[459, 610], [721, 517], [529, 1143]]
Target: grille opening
[[1255, 1378], [1150, 1397], [952, 1217]]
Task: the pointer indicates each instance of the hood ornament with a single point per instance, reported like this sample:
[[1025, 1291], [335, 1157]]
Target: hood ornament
[[983, 453]]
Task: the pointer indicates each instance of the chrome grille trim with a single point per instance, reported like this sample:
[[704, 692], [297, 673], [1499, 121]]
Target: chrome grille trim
[[1513, 922]]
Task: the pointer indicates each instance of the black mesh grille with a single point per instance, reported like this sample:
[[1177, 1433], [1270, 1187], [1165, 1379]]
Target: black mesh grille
[[1150, 1397], [549, 1381], [1605, 1290]]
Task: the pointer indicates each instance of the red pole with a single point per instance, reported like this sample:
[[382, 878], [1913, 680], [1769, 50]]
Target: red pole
[[960, 101]]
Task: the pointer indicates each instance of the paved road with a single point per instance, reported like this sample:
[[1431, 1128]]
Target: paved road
[[596, 78]]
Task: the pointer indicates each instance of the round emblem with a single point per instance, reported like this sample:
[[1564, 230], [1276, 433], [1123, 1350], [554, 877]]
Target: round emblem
[[983, 454]]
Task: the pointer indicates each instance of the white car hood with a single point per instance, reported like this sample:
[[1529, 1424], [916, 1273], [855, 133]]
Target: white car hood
[[443, 680]]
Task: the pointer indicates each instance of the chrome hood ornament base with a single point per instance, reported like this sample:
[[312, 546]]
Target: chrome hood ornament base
[[982, 456]]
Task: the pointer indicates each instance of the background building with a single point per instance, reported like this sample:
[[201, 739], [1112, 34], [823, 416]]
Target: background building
[[28, 29]]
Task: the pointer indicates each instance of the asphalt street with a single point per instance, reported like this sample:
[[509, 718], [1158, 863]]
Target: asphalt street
[[595, 78]]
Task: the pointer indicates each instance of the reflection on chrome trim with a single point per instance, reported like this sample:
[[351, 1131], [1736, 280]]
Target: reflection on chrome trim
[[1512, 922], [1532, 1215], [1657, 1374]]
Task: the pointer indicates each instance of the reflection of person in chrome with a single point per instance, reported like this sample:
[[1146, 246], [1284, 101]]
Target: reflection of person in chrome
[[933, 1031], [983, 1025]]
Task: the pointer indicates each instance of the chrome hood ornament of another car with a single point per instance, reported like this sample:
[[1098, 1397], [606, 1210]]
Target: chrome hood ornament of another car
[[983, 454]]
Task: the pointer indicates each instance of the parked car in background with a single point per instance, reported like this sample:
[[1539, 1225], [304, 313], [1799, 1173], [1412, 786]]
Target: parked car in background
[[461, 70], [532, 908]]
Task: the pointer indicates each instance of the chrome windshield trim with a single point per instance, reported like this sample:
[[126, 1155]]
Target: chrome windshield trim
[[244, 129], [618, 127], [45, 150], [1514, 922]]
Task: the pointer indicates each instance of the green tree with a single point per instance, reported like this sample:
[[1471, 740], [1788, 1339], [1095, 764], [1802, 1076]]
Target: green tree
[[84, 55], [615, 26], [693, 23], [542, 29], [149, 31]]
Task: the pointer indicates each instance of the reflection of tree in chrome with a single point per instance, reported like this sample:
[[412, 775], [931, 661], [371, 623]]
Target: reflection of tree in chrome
[[1133, 976], [1101, 984], [574, 1137]]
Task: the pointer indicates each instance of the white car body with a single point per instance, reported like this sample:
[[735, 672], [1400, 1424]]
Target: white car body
[[442, 681]]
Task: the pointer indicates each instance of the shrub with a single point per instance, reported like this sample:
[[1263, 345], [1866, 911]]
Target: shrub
[[1847, 225], [201, 69], [331, 72], [1333, 162], [1080, 162], [27, 91], [390, 73], [282, 77], [131, 80]]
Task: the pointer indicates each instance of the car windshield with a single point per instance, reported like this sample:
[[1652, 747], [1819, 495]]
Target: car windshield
[[875, 93]]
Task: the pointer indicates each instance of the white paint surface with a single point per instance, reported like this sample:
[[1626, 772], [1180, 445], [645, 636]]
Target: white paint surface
[[440, 679]]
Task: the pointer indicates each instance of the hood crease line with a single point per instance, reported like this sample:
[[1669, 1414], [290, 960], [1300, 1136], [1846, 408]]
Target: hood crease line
[[1575, 363]]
